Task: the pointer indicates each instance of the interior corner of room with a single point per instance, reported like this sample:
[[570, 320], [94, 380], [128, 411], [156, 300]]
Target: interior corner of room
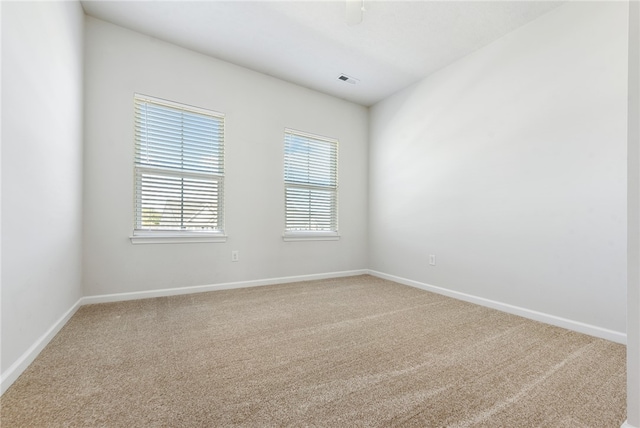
[[508, 178]]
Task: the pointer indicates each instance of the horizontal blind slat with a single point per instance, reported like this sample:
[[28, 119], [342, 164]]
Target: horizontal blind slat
[[179, 159], [310, 176]]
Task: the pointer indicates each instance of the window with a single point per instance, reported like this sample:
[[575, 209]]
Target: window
[[179, 173], [311, 186]]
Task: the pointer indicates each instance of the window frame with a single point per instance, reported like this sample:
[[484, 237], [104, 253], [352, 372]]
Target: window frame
[[162, 236], [311, 235]]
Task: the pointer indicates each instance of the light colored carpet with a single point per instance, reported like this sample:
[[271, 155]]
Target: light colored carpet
[[345, 352]]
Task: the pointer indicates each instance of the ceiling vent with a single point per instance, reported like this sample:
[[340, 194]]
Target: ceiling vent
[[348, 79]]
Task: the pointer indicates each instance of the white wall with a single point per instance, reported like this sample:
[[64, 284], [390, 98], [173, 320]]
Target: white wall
[[42, 62], [510, 166], [119, 63], [633, 229]]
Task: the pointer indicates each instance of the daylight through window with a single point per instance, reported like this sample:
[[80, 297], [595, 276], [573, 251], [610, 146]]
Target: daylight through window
[[179, 168], [311, 184]]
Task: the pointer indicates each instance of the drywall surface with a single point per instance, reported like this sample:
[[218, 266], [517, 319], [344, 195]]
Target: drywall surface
[[510, 166], [119, 63], [633, 219], [42, 48]]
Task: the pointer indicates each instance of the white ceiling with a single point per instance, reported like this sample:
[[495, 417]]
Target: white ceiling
[[310, 44]]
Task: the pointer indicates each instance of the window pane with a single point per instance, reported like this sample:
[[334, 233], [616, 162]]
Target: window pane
[[310, 174], [178, 203], [179, 161], [310, 210]]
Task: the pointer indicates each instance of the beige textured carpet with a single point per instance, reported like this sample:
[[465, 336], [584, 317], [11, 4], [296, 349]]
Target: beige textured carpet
[[346, 352]]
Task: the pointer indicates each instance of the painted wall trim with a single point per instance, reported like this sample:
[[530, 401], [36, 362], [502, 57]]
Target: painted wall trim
[[16, 369], [21, 364], [118, 297], [580, 327]]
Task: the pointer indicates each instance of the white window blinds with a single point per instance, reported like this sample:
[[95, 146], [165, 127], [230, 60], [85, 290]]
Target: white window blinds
[[311, 183], [179, 167]]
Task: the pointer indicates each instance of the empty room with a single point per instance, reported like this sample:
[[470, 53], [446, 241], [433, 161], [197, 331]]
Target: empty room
[[320, 213]]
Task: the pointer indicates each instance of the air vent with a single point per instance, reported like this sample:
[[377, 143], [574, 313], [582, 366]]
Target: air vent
[[348, 79]]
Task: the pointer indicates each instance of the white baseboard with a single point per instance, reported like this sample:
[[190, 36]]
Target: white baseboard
[[105, 298], [603, 333], [16, 369], [627, 425]]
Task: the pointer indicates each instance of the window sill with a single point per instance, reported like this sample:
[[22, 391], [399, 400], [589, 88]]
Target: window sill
[[310, 236], [167, 237]]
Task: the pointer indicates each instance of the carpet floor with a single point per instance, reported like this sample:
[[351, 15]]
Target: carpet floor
[[346, 352]]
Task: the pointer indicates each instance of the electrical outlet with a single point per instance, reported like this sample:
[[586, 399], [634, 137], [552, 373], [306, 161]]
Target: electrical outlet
[[432, 259], [235, 255]]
